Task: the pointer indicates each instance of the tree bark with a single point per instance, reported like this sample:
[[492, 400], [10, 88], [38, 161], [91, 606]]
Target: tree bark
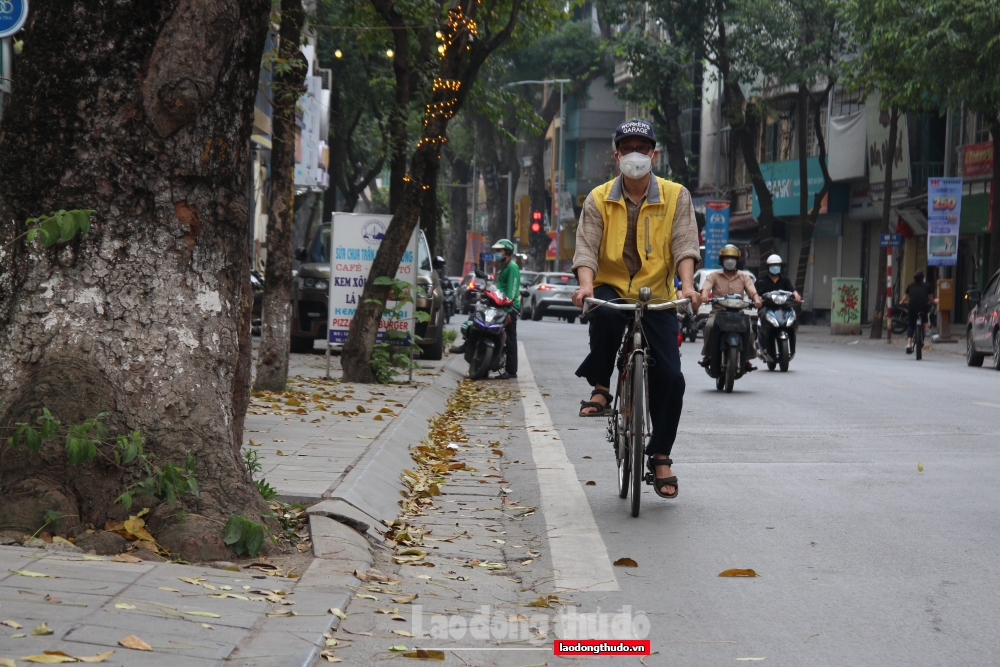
[[801, 136], [460, 65], [430, 214], [276, 309], [668, 115], [809, 221], [883, 264], [142, 113], [994, 262], [458, 201]]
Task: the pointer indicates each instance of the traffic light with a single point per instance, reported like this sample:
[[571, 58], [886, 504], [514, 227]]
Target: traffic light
[[536, 222]]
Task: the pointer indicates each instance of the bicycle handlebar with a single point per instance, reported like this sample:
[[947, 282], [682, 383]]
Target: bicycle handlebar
[[664, 305]]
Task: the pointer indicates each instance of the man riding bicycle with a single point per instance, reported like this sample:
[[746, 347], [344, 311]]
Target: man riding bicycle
[[918, 298], [635, 231]]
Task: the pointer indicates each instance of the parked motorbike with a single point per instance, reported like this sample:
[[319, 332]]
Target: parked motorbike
[[731, 345], [485, 338], [776, 329], [687, 322]]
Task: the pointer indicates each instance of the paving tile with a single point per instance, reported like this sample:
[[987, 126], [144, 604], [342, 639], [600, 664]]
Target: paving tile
[[206, 644]]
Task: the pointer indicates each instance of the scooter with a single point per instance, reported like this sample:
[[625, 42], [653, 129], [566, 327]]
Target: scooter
[[776, 329], [448, 302], [731, 345], [485, 338], [687, 324]]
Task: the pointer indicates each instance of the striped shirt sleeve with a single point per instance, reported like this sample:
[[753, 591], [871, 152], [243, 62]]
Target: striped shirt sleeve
[[684, 237], [589, 233]]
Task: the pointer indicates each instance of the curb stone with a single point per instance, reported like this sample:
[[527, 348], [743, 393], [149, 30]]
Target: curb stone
[[369, 494]]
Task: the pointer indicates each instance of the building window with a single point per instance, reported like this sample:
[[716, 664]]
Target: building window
[[845, 103], [980, 132]]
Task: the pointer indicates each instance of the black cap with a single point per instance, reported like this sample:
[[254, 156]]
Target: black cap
[[635, 128]]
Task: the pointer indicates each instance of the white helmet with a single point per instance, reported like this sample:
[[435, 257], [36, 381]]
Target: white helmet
[[774, 259]]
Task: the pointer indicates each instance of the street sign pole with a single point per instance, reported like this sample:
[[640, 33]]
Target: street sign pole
[[888, 292]]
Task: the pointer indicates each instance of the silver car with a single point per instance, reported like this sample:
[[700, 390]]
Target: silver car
[[552, 294]]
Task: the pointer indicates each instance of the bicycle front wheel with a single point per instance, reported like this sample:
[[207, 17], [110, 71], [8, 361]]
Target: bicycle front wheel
[[637, 428]]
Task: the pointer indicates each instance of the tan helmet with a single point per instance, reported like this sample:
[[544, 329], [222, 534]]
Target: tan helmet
[[729, 250]]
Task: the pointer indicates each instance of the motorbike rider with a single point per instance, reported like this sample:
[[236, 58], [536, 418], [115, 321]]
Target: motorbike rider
[[508, 283], [637, 230], [774, 281], [719, 284]]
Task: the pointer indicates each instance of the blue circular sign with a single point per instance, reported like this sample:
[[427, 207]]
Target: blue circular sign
[[13, 14]]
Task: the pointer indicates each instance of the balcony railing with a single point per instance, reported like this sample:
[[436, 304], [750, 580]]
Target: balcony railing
[[921, 171]]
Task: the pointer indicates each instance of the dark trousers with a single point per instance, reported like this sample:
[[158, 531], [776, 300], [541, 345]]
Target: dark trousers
[[913, 314], [666, 382], [511, 344]]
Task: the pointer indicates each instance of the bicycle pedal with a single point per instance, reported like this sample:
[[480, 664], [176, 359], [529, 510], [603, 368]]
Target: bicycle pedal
[[648, 478]]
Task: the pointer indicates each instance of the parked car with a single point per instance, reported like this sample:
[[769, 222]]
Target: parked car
[[982, 333], [527, 277], [310, 296], [551, 294]]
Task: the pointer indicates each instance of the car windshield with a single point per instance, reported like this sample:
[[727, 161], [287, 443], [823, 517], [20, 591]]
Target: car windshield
[[562, 280], [319, 251], [526, 279]]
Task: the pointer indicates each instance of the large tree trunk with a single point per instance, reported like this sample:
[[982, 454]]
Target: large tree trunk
[[883, 264], [668, 115], [809, 221], [276, 310], [801, 139], [143, 113], [458, 201], [430, 215], [994, 262]]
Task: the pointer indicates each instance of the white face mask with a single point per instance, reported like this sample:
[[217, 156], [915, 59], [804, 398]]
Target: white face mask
[[635, 165], [729, 264]]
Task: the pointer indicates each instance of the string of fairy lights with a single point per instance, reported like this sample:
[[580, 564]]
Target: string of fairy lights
[[457, 29]]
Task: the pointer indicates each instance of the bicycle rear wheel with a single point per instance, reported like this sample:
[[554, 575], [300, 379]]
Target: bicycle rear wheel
[[918, 339], [637, 427]]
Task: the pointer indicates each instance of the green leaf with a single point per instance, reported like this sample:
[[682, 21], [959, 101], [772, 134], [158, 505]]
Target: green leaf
[[51, 231], [255, 540], [32, 233], [33, 438], [384, 280], [422, 316], [67, 225], [193, 486], [233, 530]]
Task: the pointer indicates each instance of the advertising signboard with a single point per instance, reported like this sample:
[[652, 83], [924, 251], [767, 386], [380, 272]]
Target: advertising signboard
[[13, 14], [307, 153], [978, 160], [716, 231], [877, 122], [473, 249], [782, 180], [353, 244], [944, 213]]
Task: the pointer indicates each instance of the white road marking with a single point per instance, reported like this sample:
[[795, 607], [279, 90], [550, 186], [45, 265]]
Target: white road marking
[[986, 405], [579, 558]]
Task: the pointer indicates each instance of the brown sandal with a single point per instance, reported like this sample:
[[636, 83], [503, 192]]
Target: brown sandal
[[603, 410], [660, 482]]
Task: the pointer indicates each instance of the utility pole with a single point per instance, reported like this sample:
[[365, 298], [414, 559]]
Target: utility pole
[[510, 201], [562, 176]]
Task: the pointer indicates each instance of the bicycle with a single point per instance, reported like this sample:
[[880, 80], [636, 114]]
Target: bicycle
[[629, 423]]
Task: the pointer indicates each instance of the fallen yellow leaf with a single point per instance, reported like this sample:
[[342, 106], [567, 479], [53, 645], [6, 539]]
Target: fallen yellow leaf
[[42, 629], [405, 599], [12, 624], [738, 573], [135, 643], [339, 614], [7, 662], [126, 558], [329, 657], [425, 654], [28, 573], [48, 659], [205, 614], [122, 605], [625, 562], [100, 657], [402, 633]]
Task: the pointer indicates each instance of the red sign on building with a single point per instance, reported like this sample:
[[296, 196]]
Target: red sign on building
[[978, 160]]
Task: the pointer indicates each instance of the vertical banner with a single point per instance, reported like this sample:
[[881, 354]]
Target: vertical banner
[[716, 231], [353, 243], [550, 252], [877, 130], [944, 211], [473, 248], [845, 309]]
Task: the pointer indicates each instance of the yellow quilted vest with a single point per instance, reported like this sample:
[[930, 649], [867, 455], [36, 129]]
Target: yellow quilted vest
[[655, 225]]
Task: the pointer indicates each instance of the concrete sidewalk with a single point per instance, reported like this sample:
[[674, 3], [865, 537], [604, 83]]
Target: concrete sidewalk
[[314, 443]]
